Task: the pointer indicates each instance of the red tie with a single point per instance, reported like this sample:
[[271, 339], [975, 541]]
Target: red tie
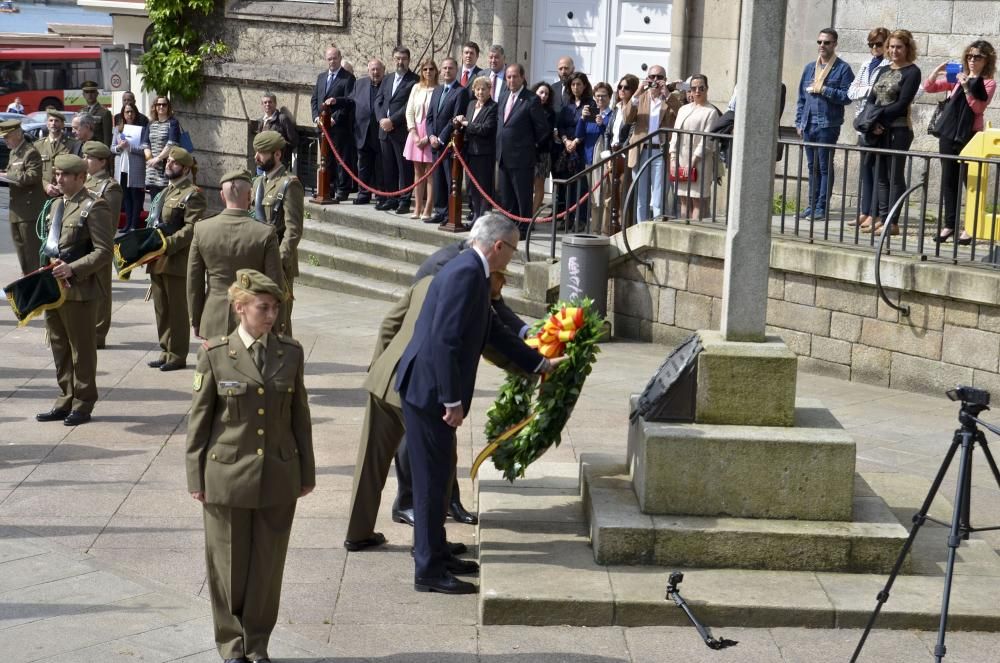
[[465, 78]]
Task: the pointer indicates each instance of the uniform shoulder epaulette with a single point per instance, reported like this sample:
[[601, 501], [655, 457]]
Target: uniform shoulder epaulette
[[288, 340], [215, 342]]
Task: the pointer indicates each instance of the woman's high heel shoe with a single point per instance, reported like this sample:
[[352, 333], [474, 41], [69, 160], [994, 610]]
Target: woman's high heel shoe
[[941, 239], [965, 241]]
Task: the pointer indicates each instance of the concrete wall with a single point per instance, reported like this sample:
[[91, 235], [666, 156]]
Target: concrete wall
[[822, 300]]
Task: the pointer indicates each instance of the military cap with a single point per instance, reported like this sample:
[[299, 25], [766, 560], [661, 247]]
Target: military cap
[[90, 86], [268, 141], [9, 125], [258, 284], [52, 112], [241, 174], [95, 148], [70, 163], [181, 156]]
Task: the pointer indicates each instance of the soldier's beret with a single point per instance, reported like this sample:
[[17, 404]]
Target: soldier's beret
[[181, 156], [268, 141], [90, 86], [241, 174], [70, 163], [9, 125], [259, 284], [52, 112], [95, 148]]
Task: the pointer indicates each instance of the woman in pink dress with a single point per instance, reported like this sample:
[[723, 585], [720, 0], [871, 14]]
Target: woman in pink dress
[[418, 147]]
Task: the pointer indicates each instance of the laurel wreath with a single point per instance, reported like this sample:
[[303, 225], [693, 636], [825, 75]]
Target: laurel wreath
[[549, 402]]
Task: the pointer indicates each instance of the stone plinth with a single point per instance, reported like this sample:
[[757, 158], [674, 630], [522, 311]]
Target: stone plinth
[[747, 384], [803, 472]]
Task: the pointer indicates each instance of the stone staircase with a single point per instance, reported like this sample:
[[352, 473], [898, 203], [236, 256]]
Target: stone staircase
[[359, 250]]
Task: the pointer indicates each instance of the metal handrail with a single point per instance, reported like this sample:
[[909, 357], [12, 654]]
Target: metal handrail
[[886, 228]]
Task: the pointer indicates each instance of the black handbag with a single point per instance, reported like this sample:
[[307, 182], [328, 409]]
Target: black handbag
[[865, 122], [934, 126]]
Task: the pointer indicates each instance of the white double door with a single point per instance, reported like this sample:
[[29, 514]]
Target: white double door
[[606, 38]]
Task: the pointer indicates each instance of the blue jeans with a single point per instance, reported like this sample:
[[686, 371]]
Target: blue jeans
[[649, 188], [820, 162]]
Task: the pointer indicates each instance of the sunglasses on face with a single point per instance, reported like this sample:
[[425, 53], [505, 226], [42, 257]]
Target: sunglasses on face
[[623, 86], [975, 56], [698, 88], [824, 42], [160, 103], [875, 44]]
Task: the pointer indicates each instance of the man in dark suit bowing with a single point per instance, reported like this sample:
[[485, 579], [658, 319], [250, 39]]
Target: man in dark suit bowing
[[390, 103], [366, 130], [333, 93], [435, 379], [448, 100], [521, 127]]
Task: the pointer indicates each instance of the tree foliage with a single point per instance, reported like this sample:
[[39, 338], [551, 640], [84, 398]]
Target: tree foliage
[[178, 50]]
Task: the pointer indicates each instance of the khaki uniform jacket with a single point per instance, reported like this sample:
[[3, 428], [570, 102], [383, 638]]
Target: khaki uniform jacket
[[221, 245], [294, 207], [249, 441], [103, 120], [49, 151], [638, 114], [174, 262], [27, 195], [76, 232], [102, 184]]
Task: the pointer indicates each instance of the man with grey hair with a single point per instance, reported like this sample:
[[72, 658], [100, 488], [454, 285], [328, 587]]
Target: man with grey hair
[[435, 379], [366, 130], [498, 63], [83, 130], [276, 119]]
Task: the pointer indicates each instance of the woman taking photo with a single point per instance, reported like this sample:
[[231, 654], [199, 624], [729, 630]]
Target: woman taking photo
[[692, 158], [480, 125], [164, 131], [579, 111], [860, 88], [543, 164], [893, 92], [418, 145], [967, 98], [130, 163], [249, 459]]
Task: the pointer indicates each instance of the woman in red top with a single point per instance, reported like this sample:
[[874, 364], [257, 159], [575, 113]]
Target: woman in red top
[[975, 88]]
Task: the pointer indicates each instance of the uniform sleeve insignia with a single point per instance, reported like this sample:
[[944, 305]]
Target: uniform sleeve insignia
[[198, 378]]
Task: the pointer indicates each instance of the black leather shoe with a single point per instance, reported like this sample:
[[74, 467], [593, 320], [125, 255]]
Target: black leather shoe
[[241, 659], [459, 514], [52, 415], [386, 205], [439, 219], [156, 363], [362, 200], [102, 345], [75, 418], [461, 567], [341, 197], [447, 584], [404, 208], [404, 516], [470, 216], [173, 367], [453, 548], [373, 541]]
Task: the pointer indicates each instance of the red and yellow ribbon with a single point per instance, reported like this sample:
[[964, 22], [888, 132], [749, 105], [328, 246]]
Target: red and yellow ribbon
[[557, 331]]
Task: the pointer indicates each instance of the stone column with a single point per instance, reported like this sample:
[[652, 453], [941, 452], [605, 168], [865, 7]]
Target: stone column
[[748, 238]]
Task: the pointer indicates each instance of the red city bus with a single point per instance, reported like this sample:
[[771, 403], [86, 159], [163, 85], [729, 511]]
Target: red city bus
[[48, 77]]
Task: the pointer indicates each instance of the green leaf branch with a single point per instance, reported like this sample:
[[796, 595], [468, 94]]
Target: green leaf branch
[[178, 51]]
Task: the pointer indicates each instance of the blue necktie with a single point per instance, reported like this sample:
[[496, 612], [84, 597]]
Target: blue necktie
[[444, 94]]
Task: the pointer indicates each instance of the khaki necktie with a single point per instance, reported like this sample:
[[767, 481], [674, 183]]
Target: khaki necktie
[[257, 351]]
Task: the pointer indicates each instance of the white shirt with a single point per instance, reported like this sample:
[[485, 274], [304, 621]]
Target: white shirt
[[248, 339], [616, 126], [654, 116]]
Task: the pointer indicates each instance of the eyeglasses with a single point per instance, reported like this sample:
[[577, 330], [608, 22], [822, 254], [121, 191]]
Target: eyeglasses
[[975, 56], [428, 69], [513, 247], [698, 88], [824, 42], [875, 44], [658, 77]]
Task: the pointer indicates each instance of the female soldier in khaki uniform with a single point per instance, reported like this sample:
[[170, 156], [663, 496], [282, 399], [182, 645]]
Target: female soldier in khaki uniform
[[249, 458]]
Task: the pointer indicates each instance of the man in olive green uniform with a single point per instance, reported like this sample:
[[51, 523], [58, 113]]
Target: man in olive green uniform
[[78, 245], [249, 458], [279, 200], [56, 143], [175, 211], [222, 245], [104, 123], [27, 195], [99, 181]]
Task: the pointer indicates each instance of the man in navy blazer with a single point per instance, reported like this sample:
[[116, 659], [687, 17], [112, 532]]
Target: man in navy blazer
[[435, 379], [448, 100], [366, 130], [469, 69], [390, 102], [333, 93], [521, 126]]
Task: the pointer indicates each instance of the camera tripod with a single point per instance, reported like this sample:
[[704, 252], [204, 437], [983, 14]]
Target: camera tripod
[[974, 402]]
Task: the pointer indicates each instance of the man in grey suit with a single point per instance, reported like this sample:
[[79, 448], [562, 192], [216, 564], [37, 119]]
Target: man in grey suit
[[366, 130]]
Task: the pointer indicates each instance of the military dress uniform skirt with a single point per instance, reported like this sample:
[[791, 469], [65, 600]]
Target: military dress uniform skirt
[[245, 554]]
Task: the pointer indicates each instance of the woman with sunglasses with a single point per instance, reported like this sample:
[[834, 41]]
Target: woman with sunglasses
[[164, 131], [967, 98], [418, 145], [617, 134], [692, 158], [858, 93]]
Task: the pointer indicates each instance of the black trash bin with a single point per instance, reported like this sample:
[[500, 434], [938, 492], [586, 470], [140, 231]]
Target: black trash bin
[[584, 271]]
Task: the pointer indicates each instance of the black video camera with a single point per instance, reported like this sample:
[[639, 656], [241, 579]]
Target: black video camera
[[969, 395]]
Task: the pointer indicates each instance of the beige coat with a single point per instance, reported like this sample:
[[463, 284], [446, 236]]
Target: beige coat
[[638, 115]]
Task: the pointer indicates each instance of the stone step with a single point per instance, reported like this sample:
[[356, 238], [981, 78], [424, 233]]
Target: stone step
[[347, 282], [538, 569], [374, 267], [621, 533]]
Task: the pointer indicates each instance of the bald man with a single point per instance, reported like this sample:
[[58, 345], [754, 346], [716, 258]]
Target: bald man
[[332, 93]]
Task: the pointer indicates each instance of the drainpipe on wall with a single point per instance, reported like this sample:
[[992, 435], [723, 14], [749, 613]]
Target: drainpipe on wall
[[678, 41]]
